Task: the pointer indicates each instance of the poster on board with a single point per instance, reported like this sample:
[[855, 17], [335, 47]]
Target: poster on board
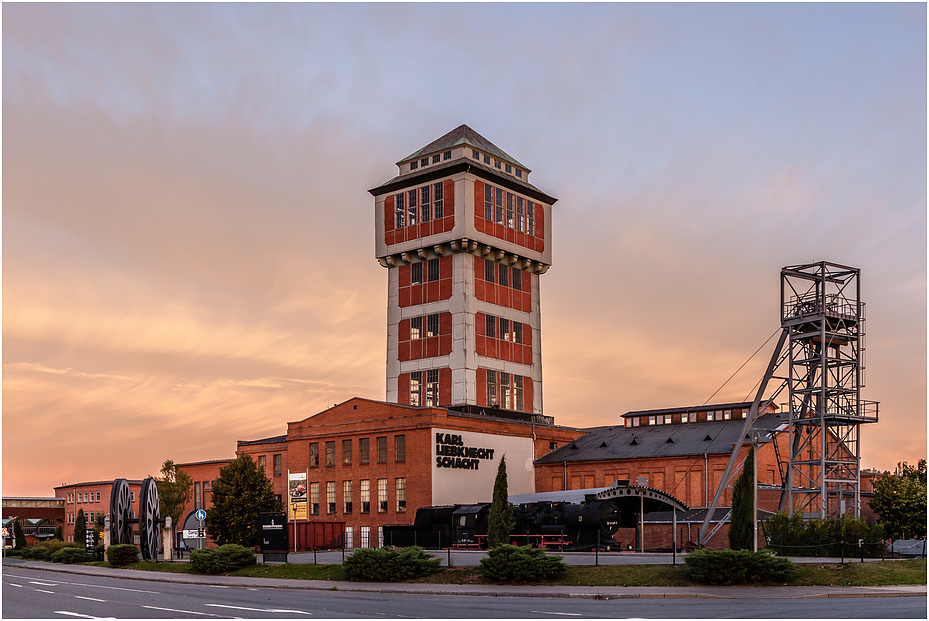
[[296, 494]]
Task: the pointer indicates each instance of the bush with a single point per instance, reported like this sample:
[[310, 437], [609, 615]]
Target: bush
[[222, 559], [122, 554], [35, 553], [723, 567], [792, 535], [69, 556], [13, 551], [520, 564], [389, 564], [53, 545]]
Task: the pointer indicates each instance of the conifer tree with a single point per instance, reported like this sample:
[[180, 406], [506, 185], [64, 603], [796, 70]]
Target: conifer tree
[[19, 534], [741, 525], [80, 527], [501, 511]]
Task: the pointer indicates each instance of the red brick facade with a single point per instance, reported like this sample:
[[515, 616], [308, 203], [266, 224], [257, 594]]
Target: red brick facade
[[425, 289], [94, 499], [421, 227], [509, 216]]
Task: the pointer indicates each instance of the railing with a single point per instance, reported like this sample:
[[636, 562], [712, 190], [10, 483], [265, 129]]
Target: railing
[[811, 305]]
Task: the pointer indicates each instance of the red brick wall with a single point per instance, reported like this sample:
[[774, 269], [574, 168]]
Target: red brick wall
[[414, 295], [445, 387], [97, 508], [503, 348], [502, 295], [425, 347]]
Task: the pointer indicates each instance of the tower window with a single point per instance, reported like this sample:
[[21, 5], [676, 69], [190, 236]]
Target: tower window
[[435, 158], [475, 154], [447, 155], [424, 161], [496, 163], [416, 328], [491, 326], [504, 275], [491, 388], [414, 165], [411, 208], [508, 168], [517, 279], [487, 159], [432, 325], [519, 173], [489, 270], [432, 387], [488, 203], [433, 270], [437, 203], [416, 273], [400, 210], [416, 387], [424, 202]]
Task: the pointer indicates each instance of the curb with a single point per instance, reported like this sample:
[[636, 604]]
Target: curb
[[355, 588]]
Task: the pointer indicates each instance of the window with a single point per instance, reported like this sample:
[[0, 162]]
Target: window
[[727, 414], [475, 154], [508, 168], [330, 496], [416, 328], [491, 388], [488, 203], [517, 279], [416, 388], [400, 446], [504, 277], [496, 163], [330, 453], [314, 454], [363, 451], [414, 165], [401, 494], [505, 390], [667, 419], [346, 452], [411, 210], [509, 210], [277, 466], [552, 446], [365, 496], [314, 498], [432, 387], [365, 536], [651, 420], [438, 200], [447, 155], [424, 161], [518, 332], [530, 218], [198, 498], [278, 498], [263, 464], [346, 496], [636, 421], [487, 159], [489, 270], [424, 202], [504, 329], [435, 158], [382, 495], [711, 416], [433, 268], [498, 206], [520, 213], [382, 449], [519, 173], [416, 273], [400, 211], [432, 325], [491, 326], [518, 392]]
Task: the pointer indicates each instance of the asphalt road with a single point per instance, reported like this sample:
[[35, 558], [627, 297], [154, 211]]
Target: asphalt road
[[31, 593]]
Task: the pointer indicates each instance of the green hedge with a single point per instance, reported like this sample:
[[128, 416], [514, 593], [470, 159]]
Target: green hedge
[[36, 553], [520, 564], [389, 564], [222, 559], [69, 556], [793, 536], [723, 567], [122, 554]]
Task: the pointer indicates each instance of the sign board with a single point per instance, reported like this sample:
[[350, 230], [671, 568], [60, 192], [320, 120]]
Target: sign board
[[6, 533], [201, 514], [90, 540], [296, 494], [272, 532], [190, 534]]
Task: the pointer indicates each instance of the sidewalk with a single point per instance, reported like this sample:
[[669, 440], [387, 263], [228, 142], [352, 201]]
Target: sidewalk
[[739, 592]]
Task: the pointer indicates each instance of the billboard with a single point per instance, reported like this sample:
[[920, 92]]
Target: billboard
[[464, 465], [296, 496]]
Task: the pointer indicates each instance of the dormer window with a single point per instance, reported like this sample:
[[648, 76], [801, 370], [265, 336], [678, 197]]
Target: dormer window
[[509, 168], [435, 158], [496, 163], [424, 161], [447, 155], [519, 173], [475, 154], [414, 165], [487, 159]]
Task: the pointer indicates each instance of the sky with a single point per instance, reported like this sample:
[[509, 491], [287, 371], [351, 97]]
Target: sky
[[188, 239]]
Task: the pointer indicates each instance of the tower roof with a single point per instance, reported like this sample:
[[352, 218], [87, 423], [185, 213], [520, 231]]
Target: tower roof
[[463, 135]]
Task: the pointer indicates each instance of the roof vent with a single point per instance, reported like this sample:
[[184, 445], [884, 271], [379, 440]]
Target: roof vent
[[603, 445], [708, 438], [573, 445], [635, 441], [669, 441]]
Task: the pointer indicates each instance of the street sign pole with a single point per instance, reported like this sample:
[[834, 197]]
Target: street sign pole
[[201, 533]]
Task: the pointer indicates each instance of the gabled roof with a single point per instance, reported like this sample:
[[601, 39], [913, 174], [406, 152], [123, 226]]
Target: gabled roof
[[677, 440], [463, 135]]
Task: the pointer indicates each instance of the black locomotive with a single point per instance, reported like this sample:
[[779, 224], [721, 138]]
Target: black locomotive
[[565, 525]]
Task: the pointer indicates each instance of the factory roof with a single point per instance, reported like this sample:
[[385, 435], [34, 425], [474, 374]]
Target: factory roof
[[675, 440]]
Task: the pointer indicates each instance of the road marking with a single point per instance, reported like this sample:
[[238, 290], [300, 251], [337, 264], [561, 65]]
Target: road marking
[[18, 586], [42, 583], [284, 611], [93, 599], [565, 614], [189, 612], [74, 614], [44, 591], [98, 586]]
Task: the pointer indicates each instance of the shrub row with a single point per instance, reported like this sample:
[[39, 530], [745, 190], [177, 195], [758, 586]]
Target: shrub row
[[794, 536], [222, 559], [520, 564], [389, 564], [69, 556], [122, 554], [723, 567]]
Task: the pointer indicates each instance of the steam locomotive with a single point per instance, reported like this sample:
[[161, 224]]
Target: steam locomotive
[[567, 525]]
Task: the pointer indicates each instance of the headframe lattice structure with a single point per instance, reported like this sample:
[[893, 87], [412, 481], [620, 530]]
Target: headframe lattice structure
[[822, 312]]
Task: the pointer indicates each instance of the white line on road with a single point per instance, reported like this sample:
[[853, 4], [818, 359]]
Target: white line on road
[[189, 612], [93, 599], [98, 586], [565, 614], [44, 591], [284, 611], [42, 583], [18, 586], [74, 614]]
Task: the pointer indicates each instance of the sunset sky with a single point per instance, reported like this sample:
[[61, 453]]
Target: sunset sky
[[188, 240]]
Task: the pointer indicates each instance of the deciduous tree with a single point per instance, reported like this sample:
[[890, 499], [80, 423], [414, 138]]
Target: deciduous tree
[[240, 493], [900, 500], [174, 488]]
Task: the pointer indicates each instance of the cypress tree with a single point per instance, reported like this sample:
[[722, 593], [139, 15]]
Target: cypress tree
[[741, 526], [19, 534], [80, 527], [501, 511]]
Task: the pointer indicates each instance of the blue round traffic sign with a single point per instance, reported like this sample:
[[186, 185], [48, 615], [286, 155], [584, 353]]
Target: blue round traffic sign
[[201, 514]]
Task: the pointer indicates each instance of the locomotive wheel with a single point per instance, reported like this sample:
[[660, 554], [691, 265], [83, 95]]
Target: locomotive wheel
[[149, 519], [120, 512]]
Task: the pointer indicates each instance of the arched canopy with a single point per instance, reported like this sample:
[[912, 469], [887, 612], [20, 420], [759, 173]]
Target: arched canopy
[[633, 497]]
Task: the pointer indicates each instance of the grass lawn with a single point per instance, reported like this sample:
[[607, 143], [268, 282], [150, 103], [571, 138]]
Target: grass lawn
[[912, 571]]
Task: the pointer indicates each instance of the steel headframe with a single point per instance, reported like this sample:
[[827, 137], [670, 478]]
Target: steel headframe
[[822, 311]]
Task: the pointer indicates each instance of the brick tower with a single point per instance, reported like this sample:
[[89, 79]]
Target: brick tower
[[465, 237]]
